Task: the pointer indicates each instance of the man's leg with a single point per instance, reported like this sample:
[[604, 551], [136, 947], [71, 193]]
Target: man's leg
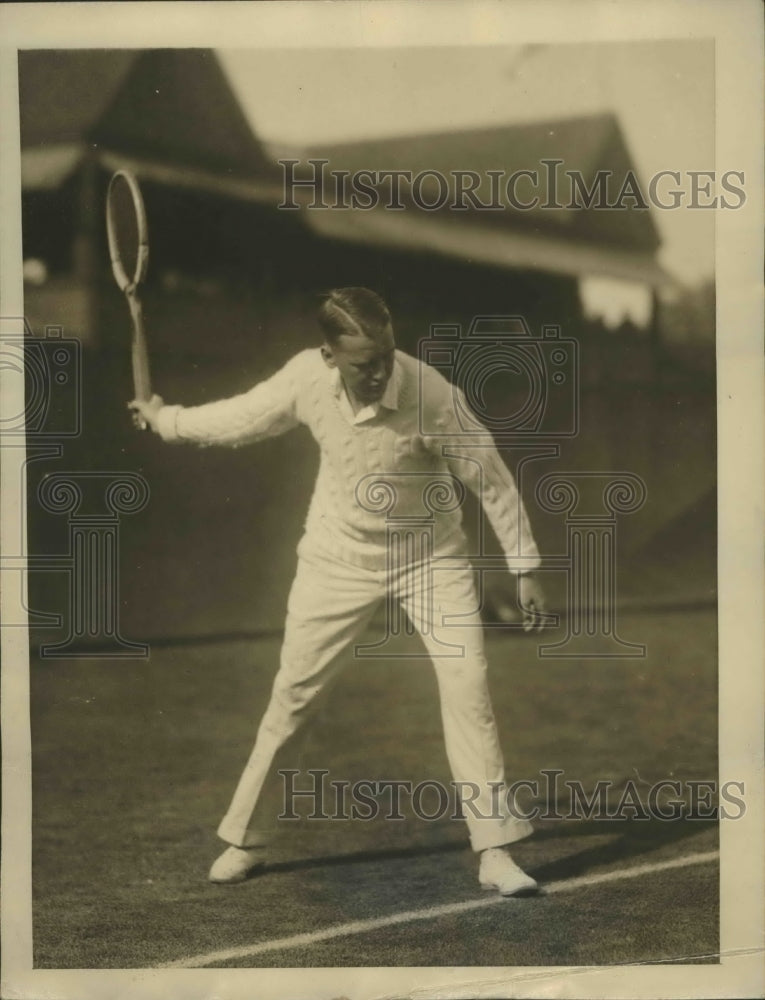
[[470, 731], [329, 605]]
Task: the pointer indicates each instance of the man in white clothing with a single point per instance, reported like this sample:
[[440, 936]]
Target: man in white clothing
[[383, 422]]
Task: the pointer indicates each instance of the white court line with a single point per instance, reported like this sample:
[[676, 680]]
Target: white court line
[[429, 913]]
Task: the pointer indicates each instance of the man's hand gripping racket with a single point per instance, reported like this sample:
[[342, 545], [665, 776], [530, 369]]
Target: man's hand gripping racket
[[128, 237]]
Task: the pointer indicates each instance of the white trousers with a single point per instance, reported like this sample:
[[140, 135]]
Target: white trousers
[[330, 605]]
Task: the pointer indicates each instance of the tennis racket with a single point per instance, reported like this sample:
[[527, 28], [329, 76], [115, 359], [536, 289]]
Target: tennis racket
[[128, 237]]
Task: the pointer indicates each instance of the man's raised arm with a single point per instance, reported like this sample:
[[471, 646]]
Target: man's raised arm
[[266, 410]]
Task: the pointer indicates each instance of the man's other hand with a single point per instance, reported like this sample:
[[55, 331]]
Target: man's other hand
[[146, 412], [531, 597]]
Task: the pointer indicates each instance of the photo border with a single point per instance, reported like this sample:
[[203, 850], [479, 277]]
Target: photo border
[[736, 26]]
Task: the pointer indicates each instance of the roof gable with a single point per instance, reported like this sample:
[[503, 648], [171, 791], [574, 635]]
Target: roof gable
[[176, 105], [173, 106], [583, 145], [507, 147], [63, 93]]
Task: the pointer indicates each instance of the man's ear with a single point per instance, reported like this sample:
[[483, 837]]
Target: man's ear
[[328, 356]]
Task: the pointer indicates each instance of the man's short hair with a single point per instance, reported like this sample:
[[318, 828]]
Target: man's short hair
[[352, 312]]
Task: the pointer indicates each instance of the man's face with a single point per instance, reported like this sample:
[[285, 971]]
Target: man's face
[[365, 363]]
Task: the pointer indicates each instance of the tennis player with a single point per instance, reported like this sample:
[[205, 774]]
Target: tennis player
[[366, 404]]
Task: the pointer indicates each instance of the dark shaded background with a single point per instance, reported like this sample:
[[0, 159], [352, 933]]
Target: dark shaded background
[[231, 295]]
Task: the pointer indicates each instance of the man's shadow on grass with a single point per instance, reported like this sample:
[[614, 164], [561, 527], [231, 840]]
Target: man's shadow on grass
[[632, 838]]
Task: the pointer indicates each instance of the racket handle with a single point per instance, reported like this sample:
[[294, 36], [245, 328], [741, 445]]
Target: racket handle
[[140, 358]]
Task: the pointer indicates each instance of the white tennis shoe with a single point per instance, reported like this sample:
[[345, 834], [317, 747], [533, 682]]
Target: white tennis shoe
[[499, 871], [236, 863]]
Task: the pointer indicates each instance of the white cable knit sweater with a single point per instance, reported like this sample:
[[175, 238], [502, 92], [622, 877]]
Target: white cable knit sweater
[[394, 464]]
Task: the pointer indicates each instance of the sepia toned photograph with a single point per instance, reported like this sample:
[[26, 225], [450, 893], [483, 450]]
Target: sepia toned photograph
[[367, 575]]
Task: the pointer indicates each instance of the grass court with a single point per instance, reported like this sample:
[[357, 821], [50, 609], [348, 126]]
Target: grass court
[[134, 763]]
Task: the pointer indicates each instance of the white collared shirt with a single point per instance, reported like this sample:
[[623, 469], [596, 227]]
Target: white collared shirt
[[404, 449], [389, 398]]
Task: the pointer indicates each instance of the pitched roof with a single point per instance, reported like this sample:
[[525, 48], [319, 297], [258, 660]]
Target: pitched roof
[[168, 106], [172, 116], [578, 141], [585, 145], [63, 93]]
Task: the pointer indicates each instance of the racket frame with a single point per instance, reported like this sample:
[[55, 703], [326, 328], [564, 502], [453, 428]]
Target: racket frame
[[123, 279], [129, 284]]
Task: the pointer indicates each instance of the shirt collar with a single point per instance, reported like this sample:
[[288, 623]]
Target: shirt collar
[[389, 399]]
